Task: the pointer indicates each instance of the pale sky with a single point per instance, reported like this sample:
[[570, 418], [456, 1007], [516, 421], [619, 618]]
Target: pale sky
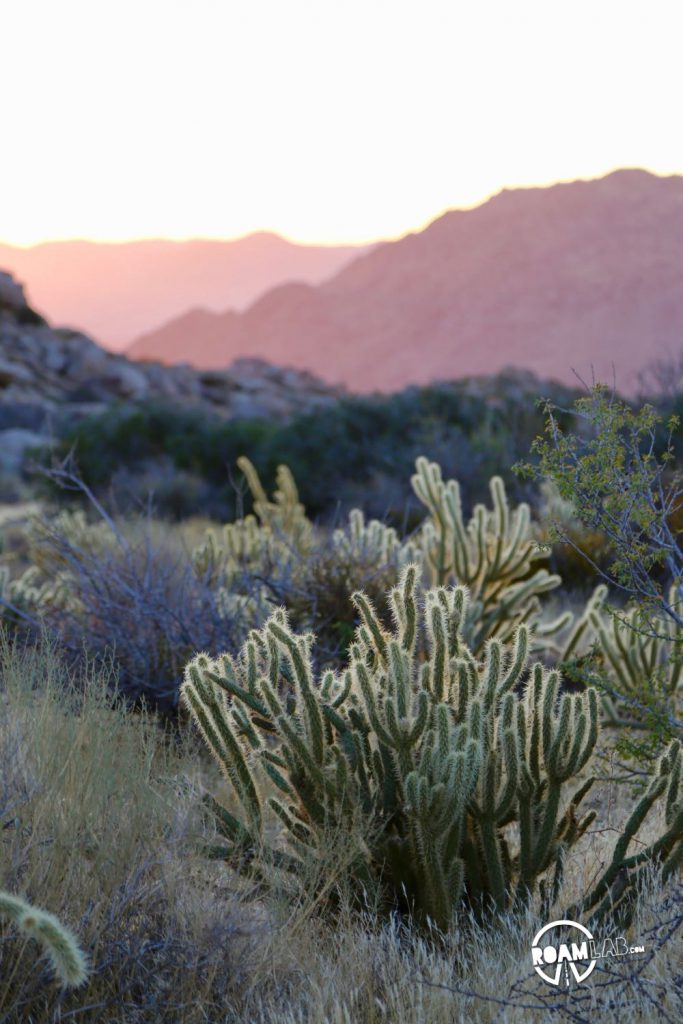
[[323, 120]]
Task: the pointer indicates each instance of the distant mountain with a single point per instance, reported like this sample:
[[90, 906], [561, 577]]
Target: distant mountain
[[115, 291], [586, 275]]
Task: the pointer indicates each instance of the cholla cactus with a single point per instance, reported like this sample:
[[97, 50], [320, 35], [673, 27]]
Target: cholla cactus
[[30, 593], [263, 543], [494, 555], [430, 754], [373, 541], [57, 941], [284, 514], [241, 547], [616, 890], [73, 527], [640, 659], [48, 583]]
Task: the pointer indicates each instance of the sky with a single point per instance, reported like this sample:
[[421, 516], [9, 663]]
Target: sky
[[323, 120]]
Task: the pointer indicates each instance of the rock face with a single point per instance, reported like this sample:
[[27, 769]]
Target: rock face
[[47, 374]]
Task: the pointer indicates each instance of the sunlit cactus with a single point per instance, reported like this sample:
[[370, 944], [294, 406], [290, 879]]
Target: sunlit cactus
[[373, 541], [263, 543], [57, 941], [284, 514], [494, 555], [240, 547], [461, 776]]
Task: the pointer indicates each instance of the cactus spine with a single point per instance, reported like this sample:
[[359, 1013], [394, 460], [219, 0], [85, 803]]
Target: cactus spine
[[57, 941]]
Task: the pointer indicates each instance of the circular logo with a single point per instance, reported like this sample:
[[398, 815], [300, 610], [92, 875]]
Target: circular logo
[[555, 954]]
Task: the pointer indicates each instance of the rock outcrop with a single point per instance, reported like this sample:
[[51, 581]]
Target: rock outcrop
[[49, 374], [42, 364]]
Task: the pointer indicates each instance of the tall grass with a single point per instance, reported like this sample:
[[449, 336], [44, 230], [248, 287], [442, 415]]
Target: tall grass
[[98, 825]]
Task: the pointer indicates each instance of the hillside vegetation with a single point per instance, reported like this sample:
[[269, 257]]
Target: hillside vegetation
[[281, 768]]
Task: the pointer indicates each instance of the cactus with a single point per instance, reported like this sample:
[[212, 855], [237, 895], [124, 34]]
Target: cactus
[[265, 543], [462, 777], [616, 890], [313, 571], [639, 659], [494, 555], [58, 943], [373, 541], [636, 663], [284, 514]]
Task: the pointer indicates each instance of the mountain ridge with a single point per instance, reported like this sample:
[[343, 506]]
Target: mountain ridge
[[579, 275]]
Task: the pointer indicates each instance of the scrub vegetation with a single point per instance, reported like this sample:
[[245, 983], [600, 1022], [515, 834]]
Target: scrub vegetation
[[282, 767]]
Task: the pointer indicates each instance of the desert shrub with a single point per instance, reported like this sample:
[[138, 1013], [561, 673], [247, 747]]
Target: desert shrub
[[126, 591], [580, 554], [337, 455], [622, 484], [457, 781], [137, 448], [616, 471]]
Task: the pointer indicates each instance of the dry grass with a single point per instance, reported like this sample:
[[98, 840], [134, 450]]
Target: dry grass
[[99, 823]]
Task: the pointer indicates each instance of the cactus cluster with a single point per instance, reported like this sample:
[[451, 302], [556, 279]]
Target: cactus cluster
[[56, 940], [264, 544], [494, 554], [461, 777], [373, 541], [49, 582]]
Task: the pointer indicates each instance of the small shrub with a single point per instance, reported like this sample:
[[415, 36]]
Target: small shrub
[[128, 592]]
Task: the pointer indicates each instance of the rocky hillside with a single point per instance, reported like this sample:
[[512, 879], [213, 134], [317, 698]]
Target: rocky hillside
[[585, 276], [48, 375]]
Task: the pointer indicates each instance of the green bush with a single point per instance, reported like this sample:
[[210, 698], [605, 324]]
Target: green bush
[[360, 451]]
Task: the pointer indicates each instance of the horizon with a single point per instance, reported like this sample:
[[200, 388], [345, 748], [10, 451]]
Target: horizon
[[320, 122], [326, 243]]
